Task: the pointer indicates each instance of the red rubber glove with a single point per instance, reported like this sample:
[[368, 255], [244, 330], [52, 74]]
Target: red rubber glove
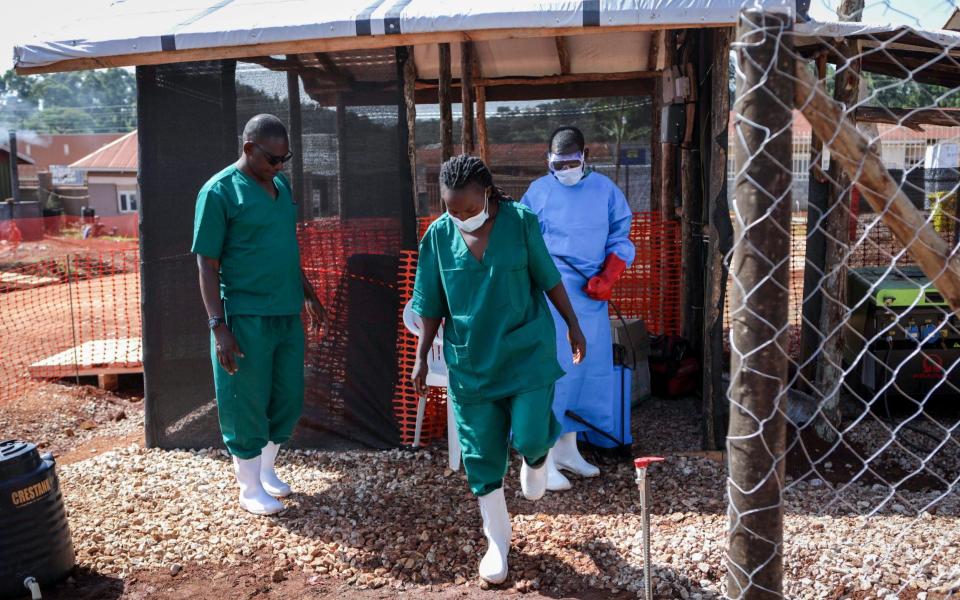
[[600, 286]]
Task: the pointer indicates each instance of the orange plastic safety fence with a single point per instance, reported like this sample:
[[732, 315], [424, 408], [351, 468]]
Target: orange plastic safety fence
[[325, 247], [405, 398], [67, 315], [650, 288]]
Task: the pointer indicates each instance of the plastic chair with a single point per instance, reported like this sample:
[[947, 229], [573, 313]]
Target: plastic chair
[[436, 377]]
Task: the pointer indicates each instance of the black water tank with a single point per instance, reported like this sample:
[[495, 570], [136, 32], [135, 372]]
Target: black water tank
[[34, 536]]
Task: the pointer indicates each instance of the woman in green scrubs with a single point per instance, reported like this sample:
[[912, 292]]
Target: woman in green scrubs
[[485, 271]]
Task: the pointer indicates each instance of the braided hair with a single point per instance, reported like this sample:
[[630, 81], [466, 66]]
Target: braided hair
[[461, 170]]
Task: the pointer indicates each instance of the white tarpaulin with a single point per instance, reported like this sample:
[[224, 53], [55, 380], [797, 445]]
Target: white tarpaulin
[[134, 27]]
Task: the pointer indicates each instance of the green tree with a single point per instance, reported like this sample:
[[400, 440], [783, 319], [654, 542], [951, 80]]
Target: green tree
[[99, 101], [60, 120]]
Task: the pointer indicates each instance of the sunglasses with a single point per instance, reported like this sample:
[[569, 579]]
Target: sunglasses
[[271, 158]]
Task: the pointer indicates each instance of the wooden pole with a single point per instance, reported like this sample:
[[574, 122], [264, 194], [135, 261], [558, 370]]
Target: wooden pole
[[410, 101], [341, 156], [719, 236], [691, 208], [833, 283], [466, 97], [814, 255], [426, 84], [656, 106], [668, 151], [304, 210], [756, 440], [852, 151], [482, 125], [446, 112], [656, 150]]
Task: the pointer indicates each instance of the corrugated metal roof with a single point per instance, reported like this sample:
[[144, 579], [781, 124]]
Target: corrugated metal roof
[[21, 157], [119, 155], [63, 149]]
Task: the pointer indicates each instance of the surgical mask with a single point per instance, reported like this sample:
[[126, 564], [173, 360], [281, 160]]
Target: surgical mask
[[476, 221], [567, 177]]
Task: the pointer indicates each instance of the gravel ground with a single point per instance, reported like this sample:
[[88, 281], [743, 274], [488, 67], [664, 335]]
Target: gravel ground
[[401, 520]]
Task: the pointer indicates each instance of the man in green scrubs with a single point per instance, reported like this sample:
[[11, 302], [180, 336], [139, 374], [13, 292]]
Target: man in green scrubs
[[245, 239], [483, 268]]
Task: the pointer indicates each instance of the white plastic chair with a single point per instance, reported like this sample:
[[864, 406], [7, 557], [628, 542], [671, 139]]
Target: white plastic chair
[[436, 377]]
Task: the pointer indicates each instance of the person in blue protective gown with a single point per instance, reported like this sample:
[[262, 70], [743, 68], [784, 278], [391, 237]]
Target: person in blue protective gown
[[483, 269], [585, 221]]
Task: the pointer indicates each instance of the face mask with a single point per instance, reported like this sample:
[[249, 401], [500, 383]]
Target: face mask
[[475, 222], [570, 177], [567, 177]]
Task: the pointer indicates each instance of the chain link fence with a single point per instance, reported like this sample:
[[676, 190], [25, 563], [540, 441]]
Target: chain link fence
[[844, 431]]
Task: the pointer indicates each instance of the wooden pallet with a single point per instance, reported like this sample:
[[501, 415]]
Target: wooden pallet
[[10, 279], [104, 359]]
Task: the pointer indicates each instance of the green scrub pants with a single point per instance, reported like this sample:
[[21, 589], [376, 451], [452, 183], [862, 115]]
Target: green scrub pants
[[484, 428], [262, 402]]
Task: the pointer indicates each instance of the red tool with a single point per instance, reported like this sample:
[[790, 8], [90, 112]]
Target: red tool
[[642, 464]]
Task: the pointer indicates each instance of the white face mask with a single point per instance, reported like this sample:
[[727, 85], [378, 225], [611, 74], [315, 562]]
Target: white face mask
[[476, 221], [569, 177]]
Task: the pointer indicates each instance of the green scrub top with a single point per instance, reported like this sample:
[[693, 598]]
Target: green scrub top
[[255, 238], [499, 338]]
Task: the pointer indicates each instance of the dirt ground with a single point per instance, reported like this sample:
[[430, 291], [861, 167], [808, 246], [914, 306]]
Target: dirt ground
[[250, 581], [75, 422], [688, 517]]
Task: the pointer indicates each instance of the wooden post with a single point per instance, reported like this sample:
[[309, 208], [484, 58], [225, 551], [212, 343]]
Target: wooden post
[[853, 153], [691, 208], [410, 100], [656, 151], [304, 210], [756, 440], [657, 105], [446, 112], [466, 97], [668, 151], [814, 254], [341, 155], [833, 283], [482, 125], [719, 238]]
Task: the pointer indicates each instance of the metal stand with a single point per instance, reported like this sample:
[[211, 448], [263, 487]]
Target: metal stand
[[642, 464]]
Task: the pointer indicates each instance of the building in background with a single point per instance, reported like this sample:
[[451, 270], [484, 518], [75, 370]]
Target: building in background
[[111, 176], [59, 150], [23, 160]]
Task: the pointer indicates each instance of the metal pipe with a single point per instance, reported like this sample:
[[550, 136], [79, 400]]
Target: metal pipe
[[641, 465], [14, 174]]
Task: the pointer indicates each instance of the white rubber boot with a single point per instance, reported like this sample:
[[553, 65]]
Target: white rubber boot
[[567, 456], [253, 497], [268, 477], [496, 527], [556, 481], [533, 480]]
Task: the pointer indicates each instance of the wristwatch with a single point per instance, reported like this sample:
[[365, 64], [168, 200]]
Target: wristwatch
[[214, 322]]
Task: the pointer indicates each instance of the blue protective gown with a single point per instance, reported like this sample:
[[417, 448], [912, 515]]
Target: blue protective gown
[[583, 224]]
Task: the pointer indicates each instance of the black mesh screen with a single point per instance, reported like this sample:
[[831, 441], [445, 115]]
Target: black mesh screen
[[351, 176]]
